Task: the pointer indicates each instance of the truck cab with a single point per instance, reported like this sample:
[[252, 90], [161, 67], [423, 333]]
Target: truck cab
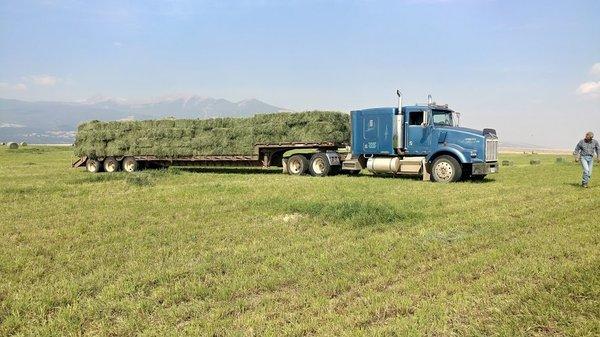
[[422, 139]]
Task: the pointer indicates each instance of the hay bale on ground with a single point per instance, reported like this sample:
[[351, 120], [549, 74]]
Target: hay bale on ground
[[534, 162], [12, 145], [215, 136], [23, 144]]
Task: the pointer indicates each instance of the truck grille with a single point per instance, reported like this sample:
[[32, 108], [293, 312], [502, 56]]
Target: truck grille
[[491, 149]]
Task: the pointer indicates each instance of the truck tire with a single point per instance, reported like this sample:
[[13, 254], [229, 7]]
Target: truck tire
[[319, 165], [446, 169], [111, 164], [130, 164], [297, 165], [93, 165]]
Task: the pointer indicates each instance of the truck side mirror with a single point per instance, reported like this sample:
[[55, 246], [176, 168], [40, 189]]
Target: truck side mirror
[[425, 119]]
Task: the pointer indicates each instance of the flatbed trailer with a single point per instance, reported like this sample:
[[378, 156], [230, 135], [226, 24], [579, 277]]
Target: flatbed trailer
[[327, 158]]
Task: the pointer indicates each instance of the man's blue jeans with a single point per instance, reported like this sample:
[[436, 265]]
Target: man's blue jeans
[[587, 162]]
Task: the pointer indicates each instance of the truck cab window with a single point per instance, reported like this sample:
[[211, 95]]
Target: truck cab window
[[443, 117], [416, 118]]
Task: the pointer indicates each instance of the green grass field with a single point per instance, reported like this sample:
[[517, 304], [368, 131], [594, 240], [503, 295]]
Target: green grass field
[[230, 252]]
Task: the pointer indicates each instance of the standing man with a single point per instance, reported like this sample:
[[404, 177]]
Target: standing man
[[584, 151]]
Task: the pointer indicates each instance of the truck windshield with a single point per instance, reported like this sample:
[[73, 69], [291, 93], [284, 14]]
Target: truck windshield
[[442, 117]]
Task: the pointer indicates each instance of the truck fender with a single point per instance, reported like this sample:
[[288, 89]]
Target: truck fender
[[448, 150], [333, 158]]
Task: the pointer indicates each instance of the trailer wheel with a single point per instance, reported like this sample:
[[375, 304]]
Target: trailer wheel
[[93, 165], [130, 164], [111, 164], [445, 169], [297, 164], [319, 165]]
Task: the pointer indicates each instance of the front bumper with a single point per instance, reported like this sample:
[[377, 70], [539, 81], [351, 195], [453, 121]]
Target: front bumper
[[484, 168]]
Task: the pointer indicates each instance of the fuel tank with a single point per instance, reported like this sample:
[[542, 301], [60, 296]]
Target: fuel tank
[[383, 165]]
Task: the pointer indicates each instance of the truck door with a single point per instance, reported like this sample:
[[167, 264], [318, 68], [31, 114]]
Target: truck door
[[418, 133]]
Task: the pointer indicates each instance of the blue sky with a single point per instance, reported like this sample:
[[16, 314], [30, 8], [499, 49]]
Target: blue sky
[[529, 68]]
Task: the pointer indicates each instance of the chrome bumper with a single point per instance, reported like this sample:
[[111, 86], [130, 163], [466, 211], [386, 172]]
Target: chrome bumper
[[484, 168]]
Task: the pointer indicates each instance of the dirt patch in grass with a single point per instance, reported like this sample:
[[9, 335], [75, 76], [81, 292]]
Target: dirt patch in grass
[[357, 213]]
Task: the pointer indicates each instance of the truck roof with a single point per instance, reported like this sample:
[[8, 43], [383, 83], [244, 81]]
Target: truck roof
[[409, 108]]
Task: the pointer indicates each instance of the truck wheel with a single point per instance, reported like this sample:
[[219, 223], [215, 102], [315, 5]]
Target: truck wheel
[[446, 169], [93, 165], [130, 164], [319, 165], [111, 164], [297, 164]]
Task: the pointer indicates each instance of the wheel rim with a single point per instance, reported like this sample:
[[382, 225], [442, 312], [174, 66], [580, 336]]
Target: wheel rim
[[444, 171], [111, 166], [295, 166], [92, 167], [129, 166], [318, 166]]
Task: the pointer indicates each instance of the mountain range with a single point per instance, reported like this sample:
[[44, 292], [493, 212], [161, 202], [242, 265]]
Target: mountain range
[[55, 122]]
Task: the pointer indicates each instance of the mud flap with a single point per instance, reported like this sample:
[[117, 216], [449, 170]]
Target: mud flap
[[426, 174]]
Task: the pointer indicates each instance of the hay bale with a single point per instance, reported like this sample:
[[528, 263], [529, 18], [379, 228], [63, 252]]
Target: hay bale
[[12, 145], [534, 162], [215, 136], [506, 163], [23, 144]]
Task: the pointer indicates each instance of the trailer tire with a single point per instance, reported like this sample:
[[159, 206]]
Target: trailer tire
[[93, 165], [297, 165], [111, 164], [319, 165], [130, 164], [446, 169]]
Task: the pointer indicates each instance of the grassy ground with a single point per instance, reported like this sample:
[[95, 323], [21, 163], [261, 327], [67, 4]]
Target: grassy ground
[[261, 253]]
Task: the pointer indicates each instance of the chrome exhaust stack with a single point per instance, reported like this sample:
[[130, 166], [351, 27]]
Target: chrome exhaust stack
[[399, 93], [399, 126]]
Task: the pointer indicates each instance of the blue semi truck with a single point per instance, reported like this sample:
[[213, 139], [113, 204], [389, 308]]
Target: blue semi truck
[[423, 140]]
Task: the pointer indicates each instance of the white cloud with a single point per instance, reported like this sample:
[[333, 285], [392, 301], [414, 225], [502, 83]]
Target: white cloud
[[595, 69], [44, 80], [13, 87], [589, 88], [118, 44]]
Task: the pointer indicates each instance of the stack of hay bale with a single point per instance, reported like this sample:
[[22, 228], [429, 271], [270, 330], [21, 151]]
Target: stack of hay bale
[[12, 145], [216, 136]]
